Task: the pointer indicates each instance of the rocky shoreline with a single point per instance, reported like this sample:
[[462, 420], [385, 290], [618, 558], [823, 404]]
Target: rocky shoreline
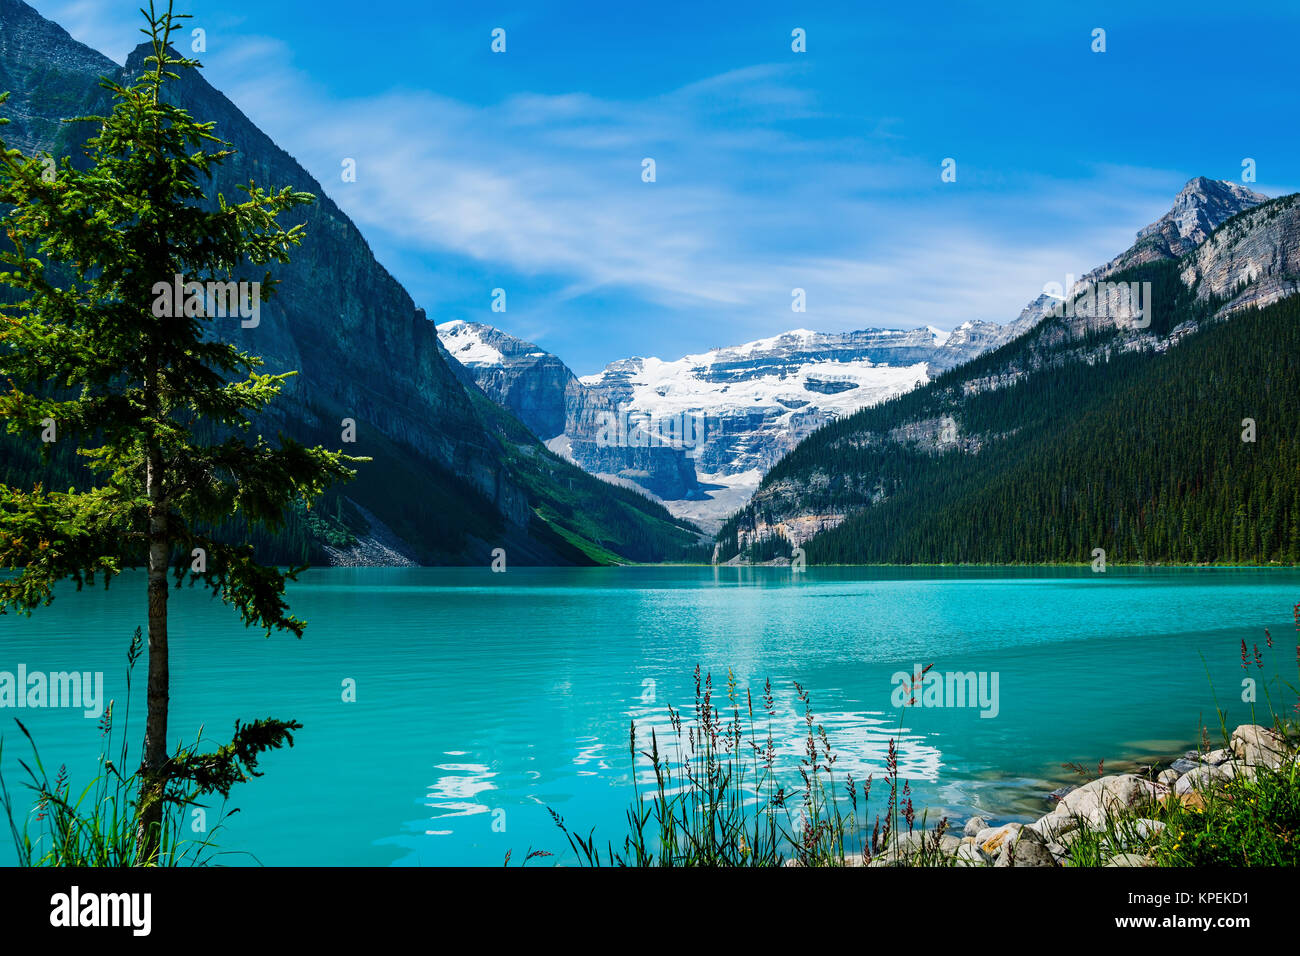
[[1116, 805]]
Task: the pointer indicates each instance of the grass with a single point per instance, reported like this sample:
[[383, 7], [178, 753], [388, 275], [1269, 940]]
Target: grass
[[1246, 823], [717, 798], [714, 796], [97, 825]]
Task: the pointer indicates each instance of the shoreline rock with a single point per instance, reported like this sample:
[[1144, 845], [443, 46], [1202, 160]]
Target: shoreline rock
[[1109, 803]]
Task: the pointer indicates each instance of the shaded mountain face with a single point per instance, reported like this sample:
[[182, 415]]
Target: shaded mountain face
[[547, 397], [699, 432], [532, 383], [362, 348], [446, 479], [48, 75], [1006, 444]]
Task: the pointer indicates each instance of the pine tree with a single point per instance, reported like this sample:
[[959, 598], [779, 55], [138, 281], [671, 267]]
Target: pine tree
[[161, 406]]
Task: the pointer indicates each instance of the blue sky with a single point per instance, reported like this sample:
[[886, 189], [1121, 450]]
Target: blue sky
[[775, 169]]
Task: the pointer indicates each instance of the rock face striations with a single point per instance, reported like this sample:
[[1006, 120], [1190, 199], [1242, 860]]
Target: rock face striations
[[48, 75], [688, 429], [1254, 260], [712, 425], [1199, 208], [362, 348], [1219, 250]]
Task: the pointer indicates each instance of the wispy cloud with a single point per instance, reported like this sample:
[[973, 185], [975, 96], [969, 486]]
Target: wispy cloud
[[759, 189], [552, 185]]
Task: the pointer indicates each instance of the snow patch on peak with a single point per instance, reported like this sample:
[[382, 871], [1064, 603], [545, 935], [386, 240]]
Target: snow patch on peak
[[466, 344]]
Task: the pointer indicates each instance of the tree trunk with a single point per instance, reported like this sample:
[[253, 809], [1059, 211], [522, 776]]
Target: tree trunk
[[153, 766]]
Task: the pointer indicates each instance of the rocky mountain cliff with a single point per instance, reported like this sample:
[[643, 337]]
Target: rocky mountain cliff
[[532, 383], [445, 477], [546, 396], [1254, 260], [699, 432], [1199, 208], [975, 428], [730, 414], [48, 75]]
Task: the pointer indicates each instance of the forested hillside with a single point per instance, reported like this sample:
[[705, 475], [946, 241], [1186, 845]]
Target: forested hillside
[[1086, 444]]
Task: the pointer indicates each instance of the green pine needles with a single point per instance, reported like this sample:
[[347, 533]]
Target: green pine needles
[[160, 405]]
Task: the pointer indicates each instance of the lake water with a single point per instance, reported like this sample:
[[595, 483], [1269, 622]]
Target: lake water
[[479, 692]]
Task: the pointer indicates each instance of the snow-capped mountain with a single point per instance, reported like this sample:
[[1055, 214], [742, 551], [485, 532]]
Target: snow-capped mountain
[[759, 399], [532, 383], [699, 432]]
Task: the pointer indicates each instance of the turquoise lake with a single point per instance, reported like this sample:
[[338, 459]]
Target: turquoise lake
[[479, 692]]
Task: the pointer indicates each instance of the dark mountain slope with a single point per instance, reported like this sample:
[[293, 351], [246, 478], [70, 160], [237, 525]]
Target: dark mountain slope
[[442, 479], [1083, 433], [48, 74], [1142, 457]]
